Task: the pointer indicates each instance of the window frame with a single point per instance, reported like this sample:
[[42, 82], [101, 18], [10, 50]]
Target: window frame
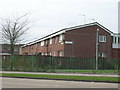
[[60, 38], [118, 39], [102, 38], [56, 39], [55, 53], [60, 53], [104, 55], [50, 54], [50, 40], [42, 43]]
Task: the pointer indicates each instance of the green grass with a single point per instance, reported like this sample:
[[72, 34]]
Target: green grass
[[111, 79], [87, 71]]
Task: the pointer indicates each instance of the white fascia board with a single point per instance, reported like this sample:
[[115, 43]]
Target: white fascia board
[[71, 28], [52, 35], [32, 43], [47, 37], [80, 26], [23, 45], [28, 44], [116, 35], [111, 33], [90, 24]]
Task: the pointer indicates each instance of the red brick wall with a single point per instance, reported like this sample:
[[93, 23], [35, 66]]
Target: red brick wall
[[37, 48], [84, 42], [24, 50], [115, 53]]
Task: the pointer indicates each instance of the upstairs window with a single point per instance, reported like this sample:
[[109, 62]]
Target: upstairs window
[[46, 42], [102, 38], [42, 43], [115, 40], [50, 40], [56, 39], [60, 38], [118, 39]]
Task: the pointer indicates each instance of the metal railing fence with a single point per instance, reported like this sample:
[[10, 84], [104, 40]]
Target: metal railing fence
[[43, 63]]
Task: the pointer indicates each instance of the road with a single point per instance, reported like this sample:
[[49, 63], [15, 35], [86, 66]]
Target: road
[[40, 83]]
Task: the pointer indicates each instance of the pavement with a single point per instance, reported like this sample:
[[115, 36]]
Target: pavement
[[41, 83], [70, 74]]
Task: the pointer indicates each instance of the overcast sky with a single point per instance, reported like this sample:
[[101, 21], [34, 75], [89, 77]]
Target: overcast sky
[[48, 16]]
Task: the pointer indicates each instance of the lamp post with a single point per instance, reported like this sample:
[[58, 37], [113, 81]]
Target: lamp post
[[97, 49]]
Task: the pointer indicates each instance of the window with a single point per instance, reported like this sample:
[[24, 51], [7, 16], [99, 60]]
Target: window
[[60, 38], [103, 54], [55, 54], [99, 54], [45, 53], [50, 54], [55, 39], [42, 54], [50, 40], [115, 39], [42, 43], [46, 42], [118, 39], [102, 38], [60, 53]]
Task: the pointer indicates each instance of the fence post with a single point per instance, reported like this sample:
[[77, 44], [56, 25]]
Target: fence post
[[33, 60], [52, 63], [11, 62]]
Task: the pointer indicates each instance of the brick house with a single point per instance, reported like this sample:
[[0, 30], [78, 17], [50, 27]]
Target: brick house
[[78, 41]]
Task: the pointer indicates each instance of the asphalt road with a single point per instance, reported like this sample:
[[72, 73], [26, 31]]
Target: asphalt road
[[40, 83]]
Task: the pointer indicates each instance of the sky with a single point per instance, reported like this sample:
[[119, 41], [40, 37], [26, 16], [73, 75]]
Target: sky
[[48, 16]]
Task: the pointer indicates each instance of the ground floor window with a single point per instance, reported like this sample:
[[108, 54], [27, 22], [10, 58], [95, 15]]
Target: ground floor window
[[60, 53], [42, 54], [50, 54], [55, 53], [103, 55], [45, 53]]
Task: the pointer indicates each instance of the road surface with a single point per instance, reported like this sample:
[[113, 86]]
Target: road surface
[[41, 83]]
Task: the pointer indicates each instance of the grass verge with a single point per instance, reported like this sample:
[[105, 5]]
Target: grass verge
[[86, 71], [88, 78]]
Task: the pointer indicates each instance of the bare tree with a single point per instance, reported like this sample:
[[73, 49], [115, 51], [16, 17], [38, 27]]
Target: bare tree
[[13, 30]]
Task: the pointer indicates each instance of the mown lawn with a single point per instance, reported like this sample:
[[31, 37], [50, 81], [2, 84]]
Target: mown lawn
[[90, 78], [86, 71]]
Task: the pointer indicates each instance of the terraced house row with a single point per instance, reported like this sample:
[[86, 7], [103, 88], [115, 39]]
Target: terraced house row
[[78, 41]]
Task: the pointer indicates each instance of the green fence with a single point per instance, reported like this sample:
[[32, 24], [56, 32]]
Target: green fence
[[43, 63]]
